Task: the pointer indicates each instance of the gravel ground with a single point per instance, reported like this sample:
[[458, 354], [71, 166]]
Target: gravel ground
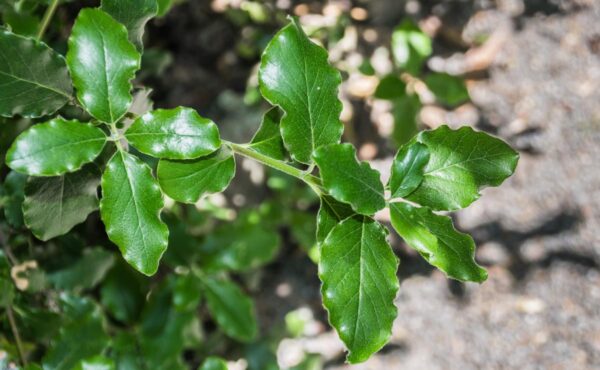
[[537, 234], [540, 308]]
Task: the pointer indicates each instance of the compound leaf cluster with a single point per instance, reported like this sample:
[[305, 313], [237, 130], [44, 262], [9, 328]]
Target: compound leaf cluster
[[438, 170]]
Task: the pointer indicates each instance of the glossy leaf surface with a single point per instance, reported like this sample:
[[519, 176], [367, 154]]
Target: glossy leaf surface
[[55, 147], [231, 308], [331, 213], [348, 180], [267, 139], [295, 75], [408, 168], [461, 163], [102, 62], [178, 133], [54, 205], [188, 181], [436, 239], [133, 14], [358, 271], [34, 80], [130, 208]]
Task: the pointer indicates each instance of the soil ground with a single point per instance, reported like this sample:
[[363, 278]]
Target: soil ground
[[537, 234]]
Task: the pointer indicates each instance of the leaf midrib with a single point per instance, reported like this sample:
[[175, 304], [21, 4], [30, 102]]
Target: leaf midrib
[[48, 149], [36, 84], [135, 204], [232, 313]]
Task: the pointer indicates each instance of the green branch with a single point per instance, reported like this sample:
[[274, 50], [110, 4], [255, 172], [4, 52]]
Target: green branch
[[46, 20], [312, 181]]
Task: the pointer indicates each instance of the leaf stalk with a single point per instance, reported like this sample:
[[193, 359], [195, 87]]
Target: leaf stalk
[[312, 181], [46, 20]]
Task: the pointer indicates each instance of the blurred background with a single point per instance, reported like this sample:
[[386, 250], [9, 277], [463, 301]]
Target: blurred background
[[527, 71]]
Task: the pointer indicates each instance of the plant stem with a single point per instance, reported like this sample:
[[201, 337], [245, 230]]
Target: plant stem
[[15, 331], [46, 20], [312, 181]]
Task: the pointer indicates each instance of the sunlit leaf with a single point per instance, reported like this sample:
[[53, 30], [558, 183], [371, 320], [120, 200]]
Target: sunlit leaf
[[436, 239], [102, 62], [267, 139], [178, 133], [55, 147], [348, 180], [330, 214], [130, 208], [461, 163], [188, 181], [358, 271], [408, 168], [295, 75]]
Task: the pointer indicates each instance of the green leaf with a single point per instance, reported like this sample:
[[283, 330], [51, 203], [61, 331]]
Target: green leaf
[[330, 214], [7, 291], [408, 168], [130, 208], [81, 336], [348, 180], [231, 308], [245, 244], [295, 75], [461, 163], [449, 90], [186, 292], [188, 181], [14, 189], [96, 363], [55, 147], [213, 363], [54, 205], [267, 139], [20, 22], [123, 292], [84, 273], [165, 5], [133, 15], [406, 110], [178, 133], [34, 80], [390, 87], [436, 239], [9, 130], [410, 47], [358, 271], [162, 337], [102, 62]]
